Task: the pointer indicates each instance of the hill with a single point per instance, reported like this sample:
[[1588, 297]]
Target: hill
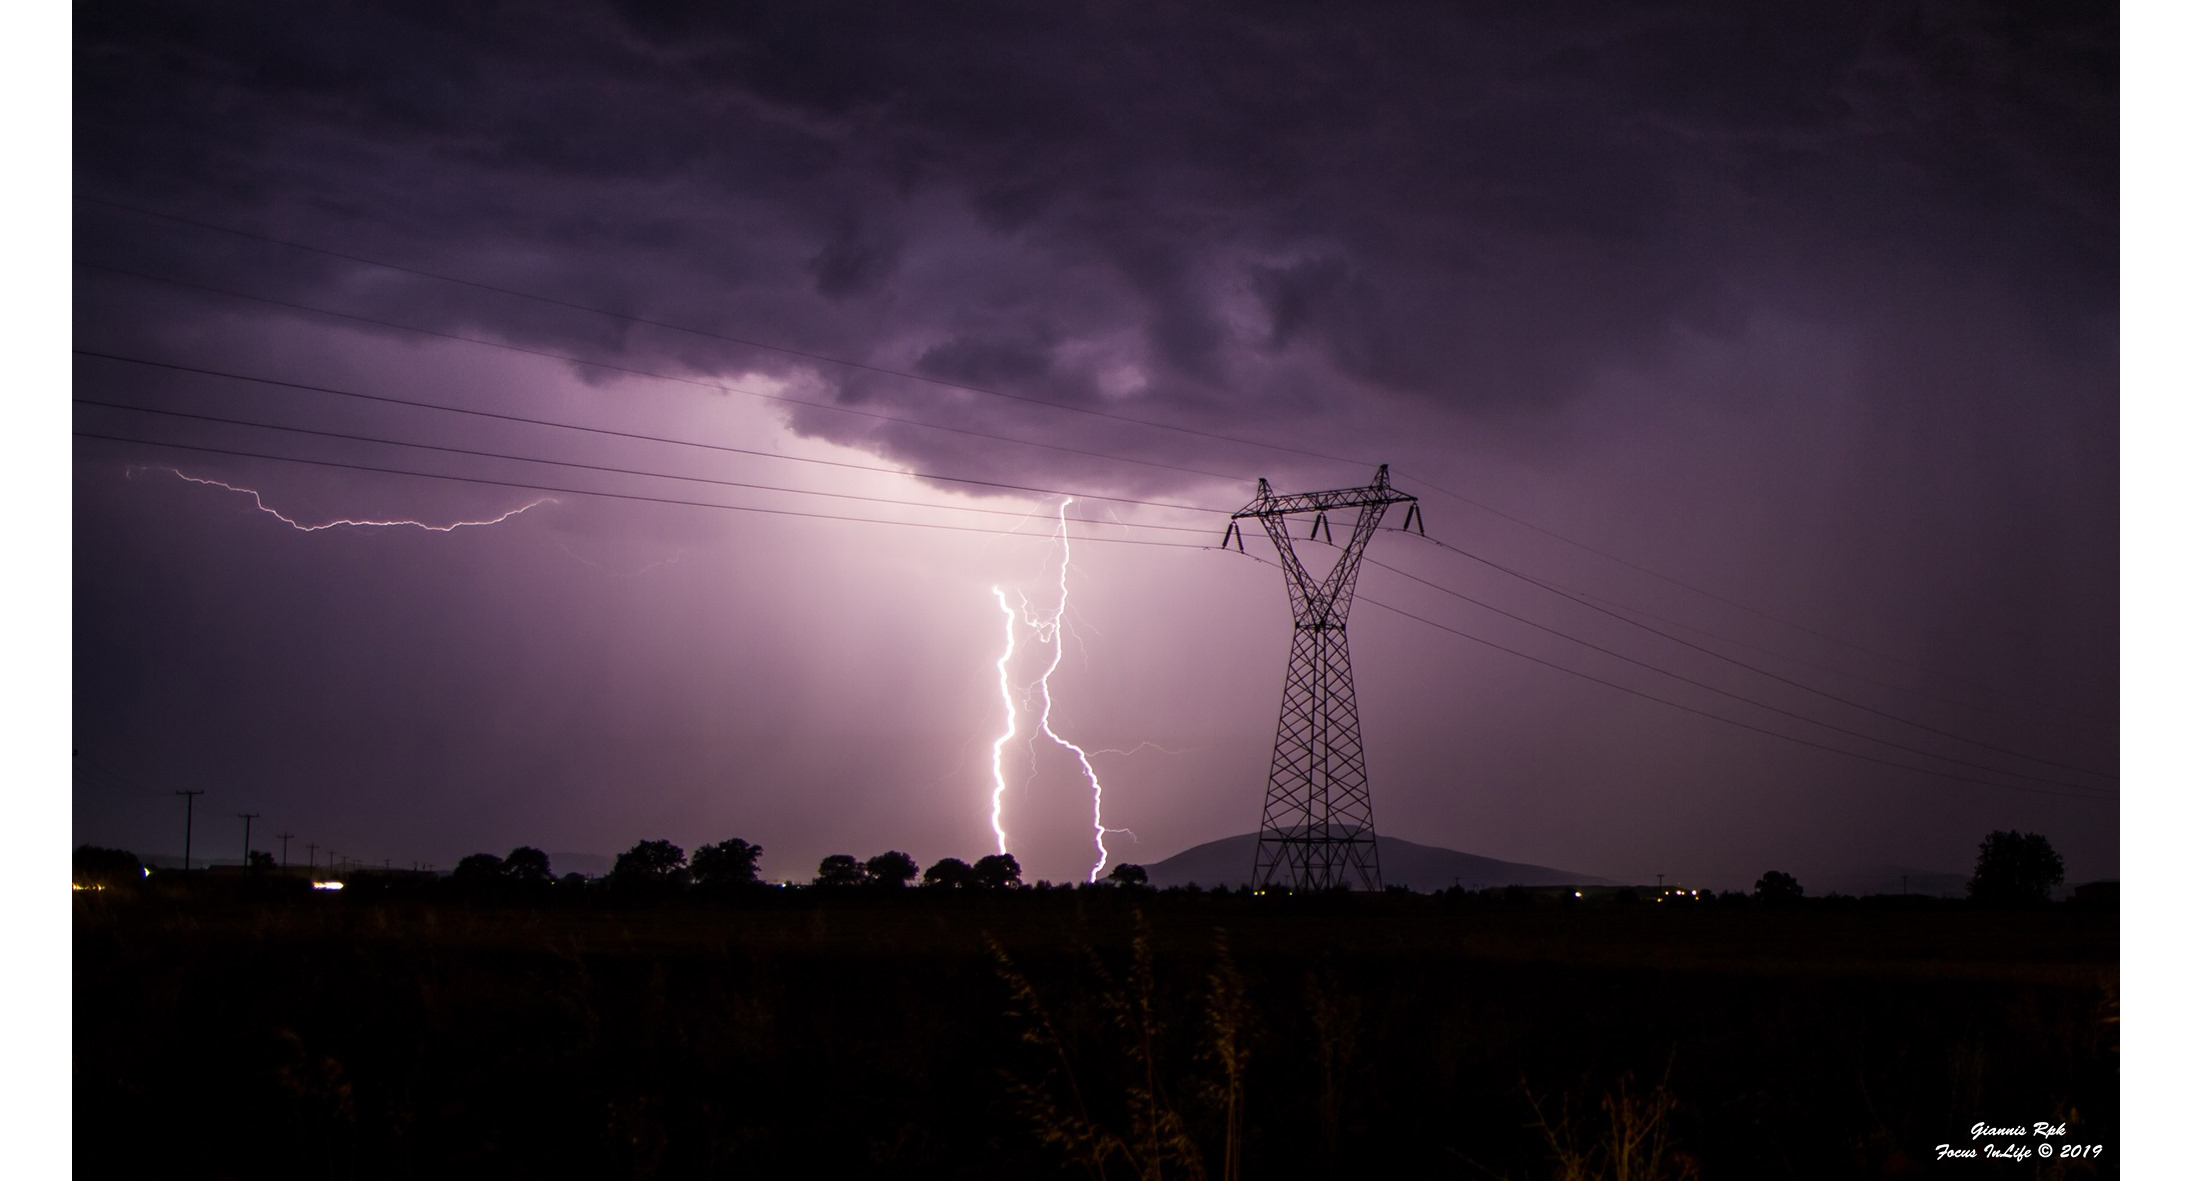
[[1410, 864]]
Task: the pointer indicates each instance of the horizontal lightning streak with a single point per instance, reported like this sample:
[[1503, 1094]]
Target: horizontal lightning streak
[[263, 505], [1142, 746]]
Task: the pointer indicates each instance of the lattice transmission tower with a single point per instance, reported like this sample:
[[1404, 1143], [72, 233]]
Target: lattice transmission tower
[[1317, 827]]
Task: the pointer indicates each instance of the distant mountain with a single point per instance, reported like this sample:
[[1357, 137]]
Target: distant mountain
[[1410, 864], [581, 862]]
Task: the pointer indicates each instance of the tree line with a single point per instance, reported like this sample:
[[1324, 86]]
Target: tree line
[[658, 865], [2011, 868]]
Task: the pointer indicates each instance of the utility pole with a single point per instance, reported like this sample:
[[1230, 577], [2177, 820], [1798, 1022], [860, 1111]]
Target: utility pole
[[285, 841], [247, 859], [1317, 824], [188, 794], [311, 849]]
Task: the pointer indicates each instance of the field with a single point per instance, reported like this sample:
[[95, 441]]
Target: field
[[1078, 1033]]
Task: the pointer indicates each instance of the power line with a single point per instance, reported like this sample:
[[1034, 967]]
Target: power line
[[709, 385], [845, 496], [1762, 671], [901, 473], [659, 500], [971, 388], [1836, 750], [1891, 685], [712, 334], [658, 475], [1732, 695], [958, 508], [1431, 486]]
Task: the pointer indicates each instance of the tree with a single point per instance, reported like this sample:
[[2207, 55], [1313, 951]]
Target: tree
[[840, 871], [731, 863], [1128, 875], [2015, 869], [655, 864], [528, 866], [260, 862], [998, 871], [892, 869], [1777, 888], [478, 871], [948, 873], [100, 867]]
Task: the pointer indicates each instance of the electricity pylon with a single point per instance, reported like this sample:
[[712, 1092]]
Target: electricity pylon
[[1317, 826]]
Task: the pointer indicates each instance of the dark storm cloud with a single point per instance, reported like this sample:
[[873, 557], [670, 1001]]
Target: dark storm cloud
[[1476, 208]]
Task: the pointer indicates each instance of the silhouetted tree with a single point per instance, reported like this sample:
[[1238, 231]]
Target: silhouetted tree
[[998, 871], [731, 863], [840, 871], [1128, 875], [258, 862], [654, 864], [99, 866], [1778, 887], [2015, 869], [948, 873], [478, 871], [892, 869], [528, 866]]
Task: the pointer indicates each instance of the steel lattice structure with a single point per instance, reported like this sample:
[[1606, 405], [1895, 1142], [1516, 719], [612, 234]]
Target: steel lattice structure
[[1317, 827]]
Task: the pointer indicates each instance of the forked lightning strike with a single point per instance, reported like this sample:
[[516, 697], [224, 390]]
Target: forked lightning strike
[[1047, 630], [262, 505]]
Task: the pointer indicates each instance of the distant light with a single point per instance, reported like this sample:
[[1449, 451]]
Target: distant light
[[1578, 892], [145, 872], [329, 885], [87, 887]]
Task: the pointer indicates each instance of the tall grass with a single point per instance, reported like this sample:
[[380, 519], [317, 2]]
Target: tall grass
[[1631, 1143], [1150, 1138]]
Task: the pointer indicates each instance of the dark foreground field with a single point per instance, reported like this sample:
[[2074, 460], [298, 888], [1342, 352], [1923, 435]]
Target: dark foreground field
[[1079, 1033]]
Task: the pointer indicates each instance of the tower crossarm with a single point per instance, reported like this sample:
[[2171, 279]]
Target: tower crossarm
[[1270, 503]]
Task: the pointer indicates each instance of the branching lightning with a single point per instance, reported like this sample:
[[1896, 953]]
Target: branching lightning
[[1142, 746], [1047, 628], [262, 505]]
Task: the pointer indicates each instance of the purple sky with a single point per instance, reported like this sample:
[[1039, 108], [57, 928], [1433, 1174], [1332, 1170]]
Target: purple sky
[[1805, 318]]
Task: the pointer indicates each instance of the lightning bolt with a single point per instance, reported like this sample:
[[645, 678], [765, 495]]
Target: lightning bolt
[[998, 749], [1047, 628], [262, 505]]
